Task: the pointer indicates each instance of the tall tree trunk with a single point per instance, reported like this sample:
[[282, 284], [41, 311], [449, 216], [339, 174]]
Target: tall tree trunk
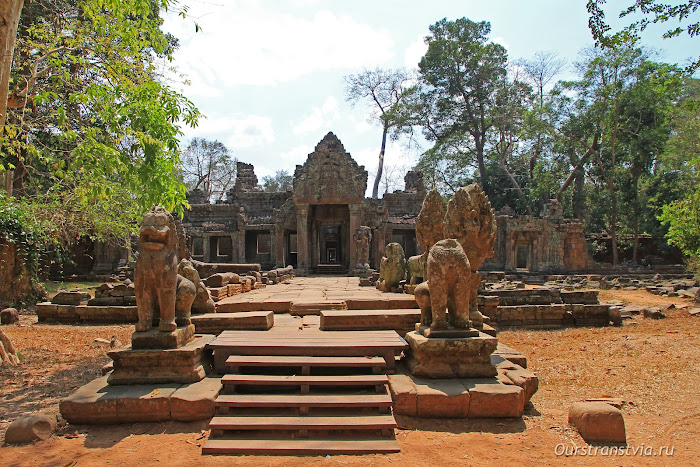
[[577, 198], [593, 148], [482, 166], [9, 20], [380, 166], [611, 187], [635, 220]]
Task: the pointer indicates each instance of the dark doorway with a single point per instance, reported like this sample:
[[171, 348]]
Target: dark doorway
[[521, 257], [330, 244]]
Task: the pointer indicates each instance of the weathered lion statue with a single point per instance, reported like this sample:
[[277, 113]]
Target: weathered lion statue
[[451, 268], [392, 268], [155, 276]]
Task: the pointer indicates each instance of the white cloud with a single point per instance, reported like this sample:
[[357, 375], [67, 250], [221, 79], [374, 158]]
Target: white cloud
[[415, 52], [318, 117], [297, 154], [501, 41], [246, 44], [235, 133]]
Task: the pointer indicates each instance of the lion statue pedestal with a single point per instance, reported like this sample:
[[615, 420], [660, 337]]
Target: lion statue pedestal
[[164, 348], [448, 342]]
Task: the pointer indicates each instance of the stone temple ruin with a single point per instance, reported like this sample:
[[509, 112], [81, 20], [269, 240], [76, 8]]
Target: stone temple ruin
[[283, 364], [312, 226]]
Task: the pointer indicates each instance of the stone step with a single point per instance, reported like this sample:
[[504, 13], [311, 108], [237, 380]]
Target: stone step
[[303, 380], [314, 307], [275, 422], [304, 400], [400, 320], [216, 323], [300, 447], [233, 362]]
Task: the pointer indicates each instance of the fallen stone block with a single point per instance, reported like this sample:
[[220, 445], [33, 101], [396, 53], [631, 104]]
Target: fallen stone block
[[598, 422], [654, 313], [30, 428], [70, 298], [9, 316]]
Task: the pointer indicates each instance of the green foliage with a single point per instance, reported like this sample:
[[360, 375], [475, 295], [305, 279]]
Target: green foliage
[[460, 75], [683, 220], [92, 130], [281, 181], [654, 12], [91, 116]]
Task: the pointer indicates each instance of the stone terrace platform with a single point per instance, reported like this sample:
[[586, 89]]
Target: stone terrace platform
[[307, 295]]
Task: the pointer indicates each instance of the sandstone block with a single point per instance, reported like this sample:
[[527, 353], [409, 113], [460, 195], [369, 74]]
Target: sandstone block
[[403, 393], [440, 358], [654, 313], [70, 298], [195, 401], [441, 398], [598, 422], [30, 428], [491, 399]]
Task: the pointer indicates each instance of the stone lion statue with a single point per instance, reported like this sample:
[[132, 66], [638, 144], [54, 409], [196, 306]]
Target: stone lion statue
[[469, 230], [392, 268], [155, 275]]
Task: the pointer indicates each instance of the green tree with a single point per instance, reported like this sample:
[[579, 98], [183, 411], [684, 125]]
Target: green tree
[[92, 130], [208, 166], [461, 73], [681, 161], [653, 12], [281, 181], [386, 89]]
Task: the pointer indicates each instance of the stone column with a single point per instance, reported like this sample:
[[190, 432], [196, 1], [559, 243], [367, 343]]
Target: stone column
[[206, 258], [279, 248], [302, 211], [355, 222], [241, 245]]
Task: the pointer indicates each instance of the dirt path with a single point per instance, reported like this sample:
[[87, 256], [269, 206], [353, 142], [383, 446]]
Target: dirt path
[[653, 365]]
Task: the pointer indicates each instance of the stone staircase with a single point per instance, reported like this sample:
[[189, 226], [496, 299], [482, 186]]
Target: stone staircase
[[303, 405]]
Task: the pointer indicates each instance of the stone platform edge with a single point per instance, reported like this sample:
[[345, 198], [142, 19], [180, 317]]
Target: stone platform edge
[[503, 396], [100, 403]]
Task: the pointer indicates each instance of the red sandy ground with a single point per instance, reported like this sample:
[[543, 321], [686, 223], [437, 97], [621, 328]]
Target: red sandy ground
[[653, 365]]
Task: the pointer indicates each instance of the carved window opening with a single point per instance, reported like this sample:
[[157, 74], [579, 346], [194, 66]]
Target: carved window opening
[[197, 247], [263, 243], [293, 243], [224, 246]]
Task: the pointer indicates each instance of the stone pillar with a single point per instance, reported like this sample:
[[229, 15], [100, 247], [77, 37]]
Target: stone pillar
[[241, 245], [302, 211], [279, 249], [355, 222], [206, 255]]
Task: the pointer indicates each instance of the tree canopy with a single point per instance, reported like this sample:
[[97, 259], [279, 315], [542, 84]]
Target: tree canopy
[[208, 166], [91, 134]]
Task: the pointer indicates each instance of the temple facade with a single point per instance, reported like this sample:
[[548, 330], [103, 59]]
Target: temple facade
[[311, 227]]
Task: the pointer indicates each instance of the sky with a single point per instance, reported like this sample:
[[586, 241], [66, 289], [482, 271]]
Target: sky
[[268, 74]]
